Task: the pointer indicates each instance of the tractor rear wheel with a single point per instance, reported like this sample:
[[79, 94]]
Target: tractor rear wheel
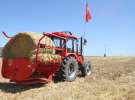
[[86, 69], [69, 68]]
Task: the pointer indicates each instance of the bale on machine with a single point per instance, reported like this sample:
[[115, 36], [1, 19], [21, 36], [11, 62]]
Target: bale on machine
[[30, 58]]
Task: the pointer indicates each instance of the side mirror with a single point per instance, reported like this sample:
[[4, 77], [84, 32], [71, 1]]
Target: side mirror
[[85, 41]]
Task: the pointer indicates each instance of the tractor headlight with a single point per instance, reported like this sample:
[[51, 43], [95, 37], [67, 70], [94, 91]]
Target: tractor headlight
[[29, 66]]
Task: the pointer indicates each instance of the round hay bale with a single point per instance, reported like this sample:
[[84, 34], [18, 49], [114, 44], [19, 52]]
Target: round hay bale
[[24, 45]]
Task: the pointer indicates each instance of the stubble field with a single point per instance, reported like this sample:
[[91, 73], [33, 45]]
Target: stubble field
[[112, 78]]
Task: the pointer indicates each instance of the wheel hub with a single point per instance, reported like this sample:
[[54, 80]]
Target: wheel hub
[[88, 70], [71, 69]]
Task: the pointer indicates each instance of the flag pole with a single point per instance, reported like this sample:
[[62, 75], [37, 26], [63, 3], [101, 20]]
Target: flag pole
[[87, 17], [85, 23]]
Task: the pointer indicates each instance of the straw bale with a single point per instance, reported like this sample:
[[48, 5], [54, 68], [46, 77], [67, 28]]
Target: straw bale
[[24, 44]]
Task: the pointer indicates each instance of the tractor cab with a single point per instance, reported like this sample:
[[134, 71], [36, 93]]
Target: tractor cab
[[67, 44]]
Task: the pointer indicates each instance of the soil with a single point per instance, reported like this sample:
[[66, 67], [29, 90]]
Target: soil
[[112, 78]]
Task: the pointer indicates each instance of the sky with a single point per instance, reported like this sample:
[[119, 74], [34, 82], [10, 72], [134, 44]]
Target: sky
[[112, 24]]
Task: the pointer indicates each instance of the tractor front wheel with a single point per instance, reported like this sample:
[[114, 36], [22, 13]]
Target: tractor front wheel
[[69, 69], [86, 69]]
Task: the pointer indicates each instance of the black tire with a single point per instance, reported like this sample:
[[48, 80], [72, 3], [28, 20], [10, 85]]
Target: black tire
[[69, 69], [86, 69]]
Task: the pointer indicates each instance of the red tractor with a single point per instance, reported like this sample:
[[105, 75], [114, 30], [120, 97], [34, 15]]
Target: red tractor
[[67, 46]]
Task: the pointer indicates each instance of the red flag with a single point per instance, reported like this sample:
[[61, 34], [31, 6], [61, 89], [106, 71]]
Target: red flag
[[88, 16]]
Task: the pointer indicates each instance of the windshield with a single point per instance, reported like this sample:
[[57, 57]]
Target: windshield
[[58, 42]]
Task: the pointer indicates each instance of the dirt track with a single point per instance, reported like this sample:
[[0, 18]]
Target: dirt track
[[113, 78]]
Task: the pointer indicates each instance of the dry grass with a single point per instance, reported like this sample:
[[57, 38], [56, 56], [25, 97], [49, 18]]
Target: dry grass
[[113, 78]]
